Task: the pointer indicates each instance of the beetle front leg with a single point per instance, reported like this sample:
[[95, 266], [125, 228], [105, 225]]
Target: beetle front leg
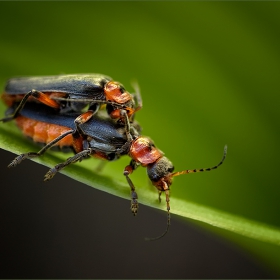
[[127, 171], [126, 125]]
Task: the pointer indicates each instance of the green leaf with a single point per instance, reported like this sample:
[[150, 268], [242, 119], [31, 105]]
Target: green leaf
[[12, 140]]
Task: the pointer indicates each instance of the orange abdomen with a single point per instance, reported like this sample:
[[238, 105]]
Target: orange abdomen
[[44, 132], [10, 99]]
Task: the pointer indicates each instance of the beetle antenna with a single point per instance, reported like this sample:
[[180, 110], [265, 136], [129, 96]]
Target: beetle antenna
[[202, 169], [137, 95], [168, 219], [160, 236]]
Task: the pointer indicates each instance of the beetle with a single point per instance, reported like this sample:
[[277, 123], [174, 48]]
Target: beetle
[[74, 93], [106, 139], [74, 131]]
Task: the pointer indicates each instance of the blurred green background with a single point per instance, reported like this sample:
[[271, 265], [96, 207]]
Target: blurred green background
[[208, 74]]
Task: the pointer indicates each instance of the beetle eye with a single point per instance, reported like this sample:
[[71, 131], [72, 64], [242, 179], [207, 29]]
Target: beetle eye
[[171, 169]]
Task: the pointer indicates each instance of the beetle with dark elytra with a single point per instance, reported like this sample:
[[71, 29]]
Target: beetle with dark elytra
[[72, 93], [101, 137]]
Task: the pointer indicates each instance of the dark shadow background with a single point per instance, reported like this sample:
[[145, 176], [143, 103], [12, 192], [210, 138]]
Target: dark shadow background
[[64, 229]]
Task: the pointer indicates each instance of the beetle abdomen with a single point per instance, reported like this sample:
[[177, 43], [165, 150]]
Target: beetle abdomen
[[42, 132]]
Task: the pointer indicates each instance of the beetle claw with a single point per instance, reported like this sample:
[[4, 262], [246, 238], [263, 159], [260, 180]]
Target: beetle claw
[[50, 174], [18, 160], [134, 203]]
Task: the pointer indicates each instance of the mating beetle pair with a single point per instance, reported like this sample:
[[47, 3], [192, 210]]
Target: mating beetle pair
[[91, 134]]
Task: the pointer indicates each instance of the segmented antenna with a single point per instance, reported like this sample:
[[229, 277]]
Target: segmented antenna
[[202, 169], [167, 191], [168, 218], [167, 228]]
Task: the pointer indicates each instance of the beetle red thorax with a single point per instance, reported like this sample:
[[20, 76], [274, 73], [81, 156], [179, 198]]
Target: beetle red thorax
[[143, 151], [115, 92]]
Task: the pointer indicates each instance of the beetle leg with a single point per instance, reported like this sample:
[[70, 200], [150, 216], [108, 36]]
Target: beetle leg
[[22, 157], [127, 171], [94, 107], [132, 166], [78, 157], [126, 125], [36, 94], [159, 196], [83, 118], [100, 166]]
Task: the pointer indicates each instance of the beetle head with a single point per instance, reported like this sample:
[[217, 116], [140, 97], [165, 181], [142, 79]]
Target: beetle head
[[160, 173]]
